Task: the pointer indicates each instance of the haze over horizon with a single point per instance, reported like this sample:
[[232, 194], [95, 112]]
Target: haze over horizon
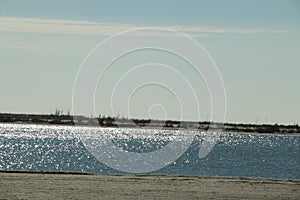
[[255, 45]]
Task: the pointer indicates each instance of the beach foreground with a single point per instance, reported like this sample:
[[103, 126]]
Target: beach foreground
[[15, 185]]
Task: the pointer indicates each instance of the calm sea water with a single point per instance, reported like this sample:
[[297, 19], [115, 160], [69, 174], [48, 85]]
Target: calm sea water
[[37, 147]]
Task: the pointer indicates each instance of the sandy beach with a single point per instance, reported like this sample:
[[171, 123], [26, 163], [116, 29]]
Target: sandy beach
[[39, 185]]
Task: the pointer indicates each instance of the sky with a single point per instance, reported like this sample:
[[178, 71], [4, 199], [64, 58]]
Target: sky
[[255, 45]]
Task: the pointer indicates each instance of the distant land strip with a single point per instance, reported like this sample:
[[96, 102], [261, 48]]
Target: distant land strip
[[107, 121]]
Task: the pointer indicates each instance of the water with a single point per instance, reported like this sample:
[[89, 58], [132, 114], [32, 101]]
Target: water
[[58, 148]]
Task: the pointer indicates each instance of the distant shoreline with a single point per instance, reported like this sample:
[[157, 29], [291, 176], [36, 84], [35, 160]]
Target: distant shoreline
[[270, 129], [157, 128]]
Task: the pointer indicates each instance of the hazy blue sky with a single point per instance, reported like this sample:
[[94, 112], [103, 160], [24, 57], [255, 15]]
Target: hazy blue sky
[[256, 45]]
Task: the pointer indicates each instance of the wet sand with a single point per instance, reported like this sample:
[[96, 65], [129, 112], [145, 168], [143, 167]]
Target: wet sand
[[84, 186]]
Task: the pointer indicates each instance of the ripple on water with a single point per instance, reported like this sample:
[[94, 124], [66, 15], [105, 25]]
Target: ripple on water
[[44, 147]]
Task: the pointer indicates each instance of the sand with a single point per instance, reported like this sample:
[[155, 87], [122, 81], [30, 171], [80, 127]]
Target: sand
[[84, 186]]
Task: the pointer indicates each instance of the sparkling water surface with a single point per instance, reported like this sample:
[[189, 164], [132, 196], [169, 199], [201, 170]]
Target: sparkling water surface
[[59, 148]]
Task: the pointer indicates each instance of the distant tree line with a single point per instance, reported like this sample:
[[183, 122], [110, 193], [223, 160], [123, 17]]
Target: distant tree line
[[58, 117]]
